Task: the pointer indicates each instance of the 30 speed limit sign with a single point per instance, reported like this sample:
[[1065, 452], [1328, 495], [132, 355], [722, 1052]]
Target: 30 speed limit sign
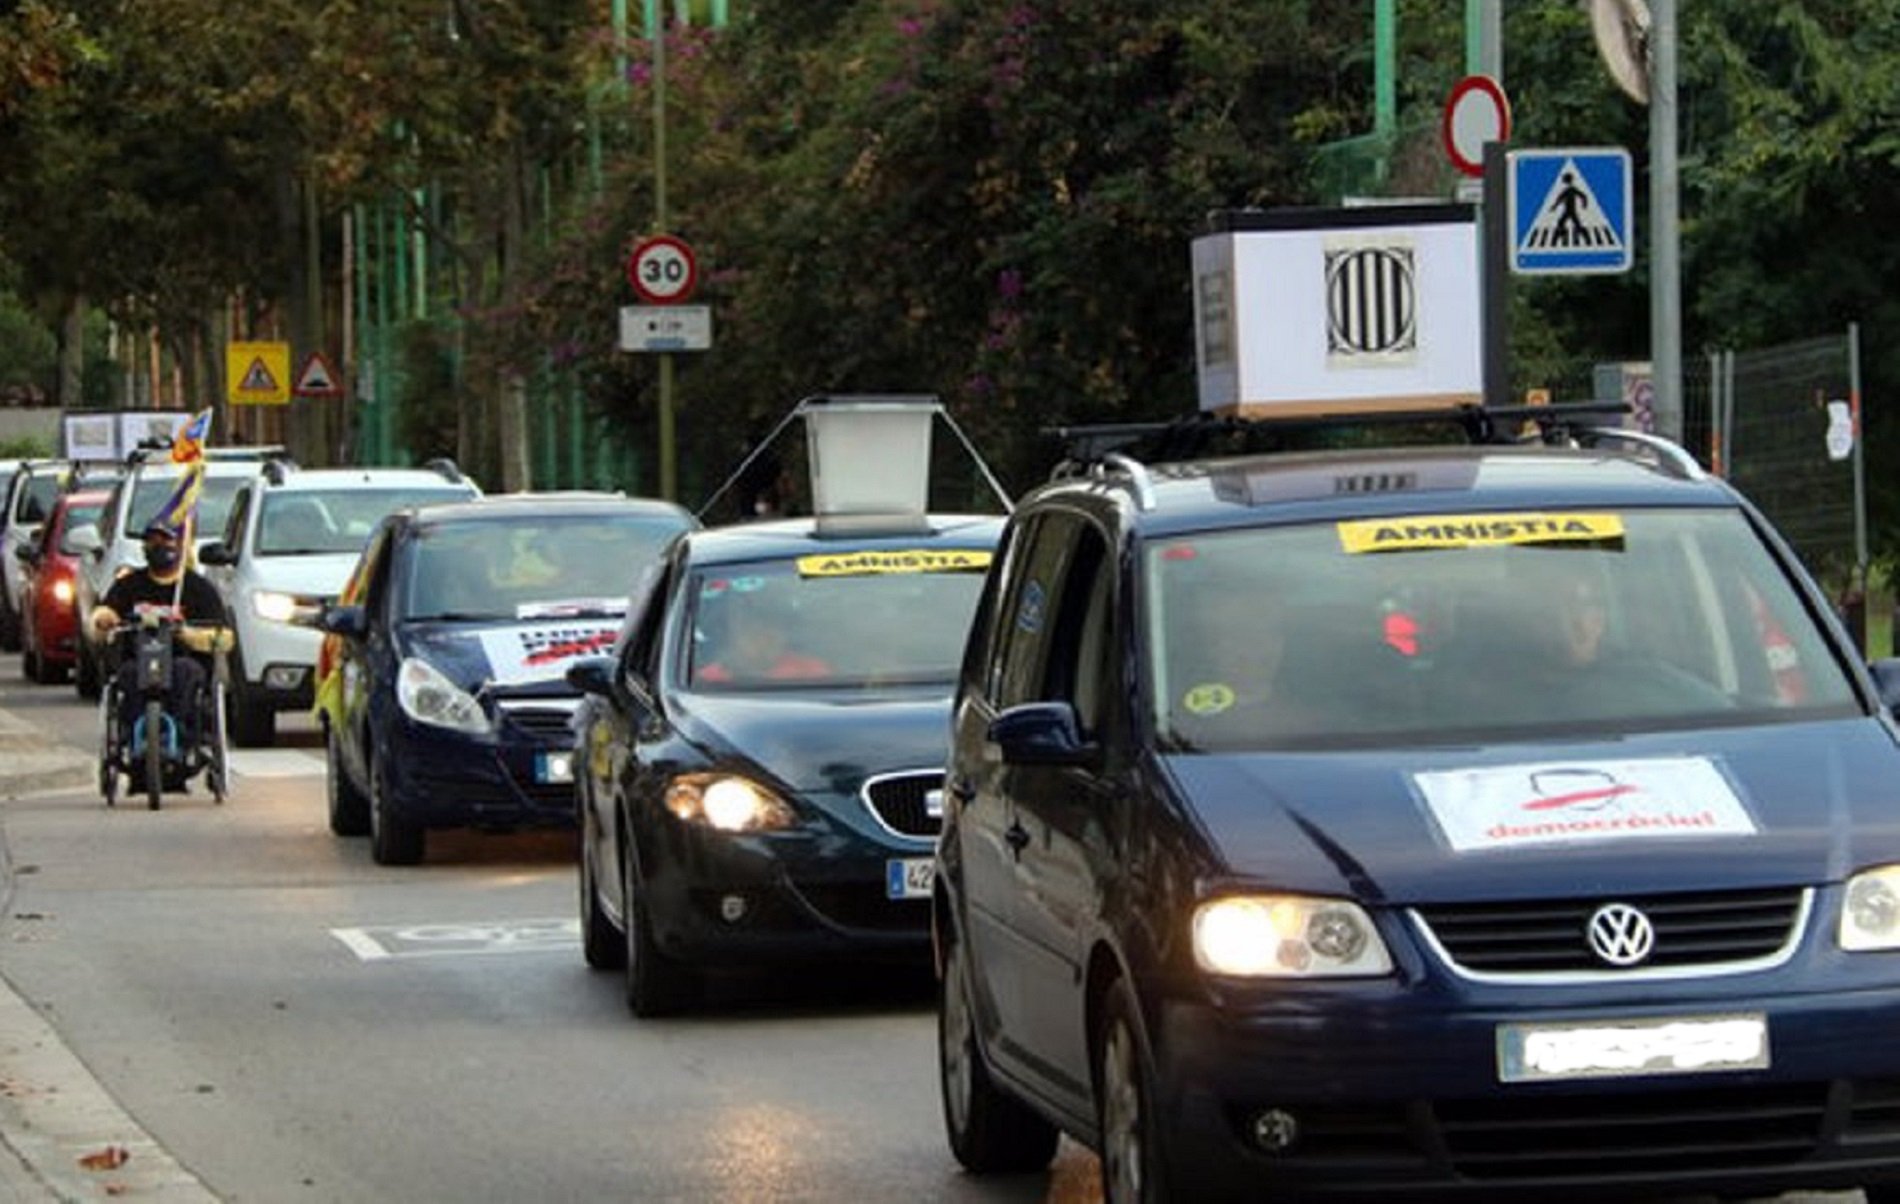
[[662, 271]]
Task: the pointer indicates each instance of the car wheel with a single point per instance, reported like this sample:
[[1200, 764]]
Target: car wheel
[[1133, 1169], [253, 719], [29, 664], [657, 985], [349, 806], [393, 840], [86, 674], [601, 943], [1882, 1193], [9, 628], [990, 1132]]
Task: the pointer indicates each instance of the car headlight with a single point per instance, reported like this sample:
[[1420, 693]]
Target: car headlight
[[428, 697], [283, 608], [728, 802], [1870, 910], [62, 591], [1287, 936]]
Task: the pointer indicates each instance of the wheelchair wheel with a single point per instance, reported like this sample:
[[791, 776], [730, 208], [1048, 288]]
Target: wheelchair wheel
[[108, 750], [154, 753], [217, 755]]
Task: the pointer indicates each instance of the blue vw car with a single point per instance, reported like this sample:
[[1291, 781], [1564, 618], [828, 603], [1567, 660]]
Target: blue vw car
[[1463, 822], [446, 705]]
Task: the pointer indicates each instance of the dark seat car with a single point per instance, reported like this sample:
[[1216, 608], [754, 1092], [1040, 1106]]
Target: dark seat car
[[1501, 822], [451, 709], [764, 752]]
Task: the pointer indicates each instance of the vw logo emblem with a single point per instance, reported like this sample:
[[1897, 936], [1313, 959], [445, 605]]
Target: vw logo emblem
[[1621, 935]]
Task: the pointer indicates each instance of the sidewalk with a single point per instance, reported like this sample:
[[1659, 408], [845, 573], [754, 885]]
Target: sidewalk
[[60, 1131]]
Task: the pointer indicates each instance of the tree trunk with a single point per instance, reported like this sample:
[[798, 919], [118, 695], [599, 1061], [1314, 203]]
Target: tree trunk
[[511, 393], [69, 390]]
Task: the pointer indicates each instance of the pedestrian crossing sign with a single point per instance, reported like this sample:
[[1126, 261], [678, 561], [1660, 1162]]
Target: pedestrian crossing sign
[[257, 373], [1571, 211]]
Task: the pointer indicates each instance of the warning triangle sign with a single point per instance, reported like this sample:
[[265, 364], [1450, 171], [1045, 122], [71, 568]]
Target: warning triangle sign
[[257, 378], [317, 379], [1571, 217]]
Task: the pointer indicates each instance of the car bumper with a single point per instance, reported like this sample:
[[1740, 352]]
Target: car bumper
[[796, 896], [443, 779], [1408, 1101]]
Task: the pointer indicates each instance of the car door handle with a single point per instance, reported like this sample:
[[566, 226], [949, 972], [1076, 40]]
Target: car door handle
[[1017, 837]]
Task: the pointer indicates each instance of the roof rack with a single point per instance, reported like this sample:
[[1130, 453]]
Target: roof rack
[[1127, 448]]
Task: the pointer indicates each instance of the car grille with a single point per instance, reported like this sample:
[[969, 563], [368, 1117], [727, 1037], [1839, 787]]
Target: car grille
[[484, 797], [902, 801], [1560, 1140], [1541, 937], [548, 721]]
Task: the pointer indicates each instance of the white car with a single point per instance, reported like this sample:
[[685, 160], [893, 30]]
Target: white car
[[115, 544], [291, 537]]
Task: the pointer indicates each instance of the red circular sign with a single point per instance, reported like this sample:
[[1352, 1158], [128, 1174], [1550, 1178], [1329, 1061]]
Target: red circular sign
[[1477, 113], [662, 270]]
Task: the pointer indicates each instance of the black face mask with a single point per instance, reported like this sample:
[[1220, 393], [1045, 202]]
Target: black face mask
[[161, 557]]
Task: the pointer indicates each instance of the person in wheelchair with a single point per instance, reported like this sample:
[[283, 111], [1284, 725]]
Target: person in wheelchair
[[166, 581]]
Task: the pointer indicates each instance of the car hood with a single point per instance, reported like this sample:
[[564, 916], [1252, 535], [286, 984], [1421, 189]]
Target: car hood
[[814, 740], [529, 657], [1717, 809], [319, 575]]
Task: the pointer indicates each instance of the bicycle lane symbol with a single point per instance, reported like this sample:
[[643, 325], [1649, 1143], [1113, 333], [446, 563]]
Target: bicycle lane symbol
[[477, 937]]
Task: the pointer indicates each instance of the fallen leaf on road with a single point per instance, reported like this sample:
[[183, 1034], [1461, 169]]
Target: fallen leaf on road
[[111, 1158]]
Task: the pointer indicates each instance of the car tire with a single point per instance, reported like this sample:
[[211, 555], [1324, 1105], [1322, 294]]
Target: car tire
[[349, 806], [657, 985], [29, 664], [990, 1131], [393, 840], [1134, 1166], [603, 945], [10, 634], [86, 673], [253, 719], [1882, 1193]]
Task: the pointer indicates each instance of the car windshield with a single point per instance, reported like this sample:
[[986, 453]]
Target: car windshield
[[803, 623], [532, 566], [214, 502], [77, 517], [36, 497], [1491, 626], [311, 522]]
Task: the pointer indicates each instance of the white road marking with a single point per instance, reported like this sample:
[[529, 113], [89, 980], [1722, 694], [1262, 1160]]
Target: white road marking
[[395, 941], [276, 763]]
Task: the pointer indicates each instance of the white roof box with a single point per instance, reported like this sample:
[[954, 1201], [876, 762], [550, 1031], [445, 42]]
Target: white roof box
[[869, 453]]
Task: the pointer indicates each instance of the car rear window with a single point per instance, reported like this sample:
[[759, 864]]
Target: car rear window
[[214, 502], [842, 620], [77, 517], [1478, 625]]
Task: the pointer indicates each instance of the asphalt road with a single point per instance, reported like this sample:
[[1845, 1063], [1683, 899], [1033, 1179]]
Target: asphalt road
[[254, 1011]]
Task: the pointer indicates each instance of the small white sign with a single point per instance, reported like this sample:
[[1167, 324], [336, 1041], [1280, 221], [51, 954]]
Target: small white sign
[[666, 327], [1582, 802], [1840, 430], [541, 652]]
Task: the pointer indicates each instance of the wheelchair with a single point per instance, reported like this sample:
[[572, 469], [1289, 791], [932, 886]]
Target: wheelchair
[[151, 753]]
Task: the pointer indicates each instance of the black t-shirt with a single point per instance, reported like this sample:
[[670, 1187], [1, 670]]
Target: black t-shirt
[[198, 599]]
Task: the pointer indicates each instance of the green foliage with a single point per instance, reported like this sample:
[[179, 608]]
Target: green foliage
[[26, 447]]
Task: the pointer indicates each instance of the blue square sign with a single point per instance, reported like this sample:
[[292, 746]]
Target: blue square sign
[[1570, 211]]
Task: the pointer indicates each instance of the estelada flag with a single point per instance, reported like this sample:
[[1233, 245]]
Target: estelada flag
[[188, 441]]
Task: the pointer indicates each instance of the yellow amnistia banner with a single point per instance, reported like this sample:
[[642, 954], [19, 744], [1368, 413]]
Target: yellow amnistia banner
[[257, 373], [1474, 530], [910, 560]]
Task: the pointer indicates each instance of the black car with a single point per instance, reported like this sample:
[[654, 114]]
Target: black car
[[446, 706], [763, 754], [1461, 822]]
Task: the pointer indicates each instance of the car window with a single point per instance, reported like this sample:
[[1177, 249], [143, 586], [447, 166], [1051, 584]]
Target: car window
[[1406, 628], [233, 535], [36, 500], [76, 517], [215, 499], [310, 522], [532, 565], [844, 619], [1029, 614]]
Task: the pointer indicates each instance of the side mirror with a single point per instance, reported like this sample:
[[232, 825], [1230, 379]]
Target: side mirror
[[217, 552], [1887, 681], [1040, 733], [26, 553], [350, 622], [592, 675], [84, 540]]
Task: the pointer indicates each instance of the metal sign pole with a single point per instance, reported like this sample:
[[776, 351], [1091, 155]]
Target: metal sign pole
[[669, 468], [1496, 255]]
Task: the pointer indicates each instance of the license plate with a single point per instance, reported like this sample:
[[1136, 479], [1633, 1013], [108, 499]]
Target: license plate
[[909, 877], [1614, 1049], [554, 767]]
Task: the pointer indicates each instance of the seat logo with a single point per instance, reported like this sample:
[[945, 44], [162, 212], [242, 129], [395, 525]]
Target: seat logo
[[1620, 935]]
